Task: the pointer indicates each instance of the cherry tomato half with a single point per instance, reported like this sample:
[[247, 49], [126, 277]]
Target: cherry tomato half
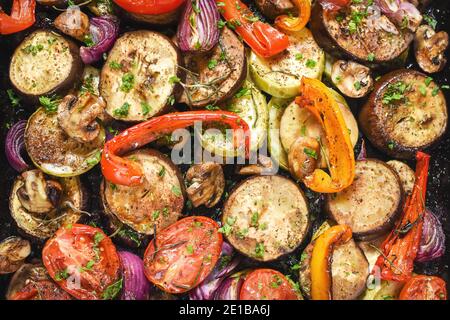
[[183, 254], [83, 261], [424, 288], [267, 284], [149, 6], [41, 290]]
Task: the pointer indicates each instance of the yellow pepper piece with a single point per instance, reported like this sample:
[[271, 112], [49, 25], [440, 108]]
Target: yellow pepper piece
[[288, 23], [318, 99], [321, 260]]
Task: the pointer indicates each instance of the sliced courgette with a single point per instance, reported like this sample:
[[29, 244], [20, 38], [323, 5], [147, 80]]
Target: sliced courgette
[[52, 151], [276, 108], [250, 104], [280, 75]]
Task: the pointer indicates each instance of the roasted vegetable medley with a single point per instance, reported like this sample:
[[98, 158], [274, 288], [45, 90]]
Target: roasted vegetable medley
[[224, 150]]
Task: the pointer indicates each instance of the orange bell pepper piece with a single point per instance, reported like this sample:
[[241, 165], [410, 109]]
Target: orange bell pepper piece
[[317, 98], [288, 23], [321, 260]]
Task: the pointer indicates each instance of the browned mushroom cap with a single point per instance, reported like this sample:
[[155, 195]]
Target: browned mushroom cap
[[429, 48], [351, 78], [264, 165], [39, 195], [73, 22], [206, 184], [77, 116], [13, 252], [302, 157]]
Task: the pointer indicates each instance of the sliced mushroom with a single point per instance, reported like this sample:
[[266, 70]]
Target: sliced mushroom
[[77, 116], [39, 195], [264, 165], [430, 48], [206, 183], [351, 78], [13, 252], [74, 23], [302, 157]]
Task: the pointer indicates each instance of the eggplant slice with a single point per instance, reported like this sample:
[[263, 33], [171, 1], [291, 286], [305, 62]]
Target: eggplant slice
[[374, 40], [349, 271], [44, 64], [13, 252], [371, 204], [52, 151], [222, 71], [266, 217], [139, 78], [405, 113], [155, 204], [42, 226]]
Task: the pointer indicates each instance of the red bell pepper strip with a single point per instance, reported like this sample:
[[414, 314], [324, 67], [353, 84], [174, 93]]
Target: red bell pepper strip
[[125, 172], [21, 18], [400, 248], [149, 6], [262, 38]]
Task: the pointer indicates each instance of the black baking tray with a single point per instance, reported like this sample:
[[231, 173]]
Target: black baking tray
[[438, 195]]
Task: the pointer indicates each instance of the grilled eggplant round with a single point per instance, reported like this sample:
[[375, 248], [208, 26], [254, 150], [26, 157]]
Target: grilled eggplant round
[[372, 203], [155, 204], [222, 72], [349, 271], [405, 173], [374, 39], [405, 113], [266, 217], [140, 77], [52, 151], [43, 225], [44, 64]]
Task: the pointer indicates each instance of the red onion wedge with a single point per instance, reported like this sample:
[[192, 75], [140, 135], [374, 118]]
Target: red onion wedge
[[230, 288], [104, 31], [363, 152], [198, 30], [432, 243], [135, 284], [15, 146], [403, 13], [226, 264]]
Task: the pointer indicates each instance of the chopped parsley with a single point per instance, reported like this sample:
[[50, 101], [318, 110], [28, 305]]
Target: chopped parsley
[[122, 111], [33, 49], [430, 21], [174, 79], [112, 290], [176, 191], [13, 98], [371, 57], [145, 108], [50, 104], [94, 159], [212, 64], [189, 249], [242, 92], [61, 275], [310, 153], [127, 82], [395, 92], [310, 63], [115, 65], [259, 250]]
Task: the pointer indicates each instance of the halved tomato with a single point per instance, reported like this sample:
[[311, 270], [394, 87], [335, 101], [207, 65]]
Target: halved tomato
[[267, 284], [41, 290], [423, 287], [183, 254], [84, 262]]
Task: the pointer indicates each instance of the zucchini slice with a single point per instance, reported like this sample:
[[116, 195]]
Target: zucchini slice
[[140, 77], [157, 203], [276, 108], [266, 217], [43, 226], [280, 76], [45, 63], [217, 75], [250, 104], [52, 151], [298, 121]]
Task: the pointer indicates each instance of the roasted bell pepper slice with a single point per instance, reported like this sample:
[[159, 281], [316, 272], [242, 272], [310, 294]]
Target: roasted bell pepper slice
[[321, 260], [318, 99], [263, 39], [149, 6], [22, 17], [289, 23], [121, 171], [399, 250]]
